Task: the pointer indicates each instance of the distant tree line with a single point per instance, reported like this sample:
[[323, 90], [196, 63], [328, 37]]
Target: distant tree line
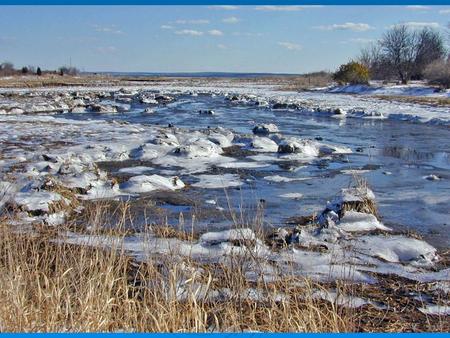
[[8, 69], [402, 54]]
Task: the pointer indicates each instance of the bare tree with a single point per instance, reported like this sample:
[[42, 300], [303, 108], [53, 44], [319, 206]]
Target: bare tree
[[377, 62], [7, 69], [65, 70], [430, 48], [399, 45]]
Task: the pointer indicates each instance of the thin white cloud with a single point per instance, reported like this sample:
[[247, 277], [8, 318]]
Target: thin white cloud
[[221, 46], [246, 34], [192, 22], [106, 50], [415, 24], [417, 8], [107, 29], [350, 26], [444, 11], [358, 41], [215, 32], [290, 45], [279, 8], [225, 7], [189, 32], [166, 27], [231, 19]]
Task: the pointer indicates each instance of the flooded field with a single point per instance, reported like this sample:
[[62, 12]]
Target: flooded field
[[397, 158], [328, 183]]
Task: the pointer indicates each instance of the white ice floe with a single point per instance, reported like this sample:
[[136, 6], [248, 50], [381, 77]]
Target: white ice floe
[[217, 181], [292, 195], [280, 179], [36, 200], [143, 184], [359, 221], [138, 170], [241, 164], [397, 249], [340, 299], [228, 235]]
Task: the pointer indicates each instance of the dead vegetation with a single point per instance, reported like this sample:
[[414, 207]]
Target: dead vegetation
[[422, 100], [49, 286], [366, 205], [307, 81]]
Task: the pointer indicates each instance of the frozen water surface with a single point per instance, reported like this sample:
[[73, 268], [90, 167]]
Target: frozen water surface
[[325, 140], [393, 155]]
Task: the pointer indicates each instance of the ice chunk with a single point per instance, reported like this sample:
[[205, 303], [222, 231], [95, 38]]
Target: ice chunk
[[143, 183], [264, 144], [135, 170], [397, 249], [292, 195], [36, 200], [228, 236], [198, 147], [359, 221]]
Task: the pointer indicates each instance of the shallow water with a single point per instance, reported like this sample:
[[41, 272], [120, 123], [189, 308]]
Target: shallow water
[[394, 156]]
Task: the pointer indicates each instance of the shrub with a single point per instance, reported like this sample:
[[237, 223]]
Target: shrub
[[39, 71], [438, 73], [352, 73], [65, 70]]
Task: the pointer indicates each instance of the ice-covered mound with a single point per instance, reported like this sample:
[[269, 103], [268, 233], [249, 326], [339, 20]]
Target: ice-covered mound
[[264, 129], [264, 144], [397, 249], [359, 198], [198, 147], [220, 136], [349, 244], [298, 146], [308, 148], [143, 184], [146, 152]]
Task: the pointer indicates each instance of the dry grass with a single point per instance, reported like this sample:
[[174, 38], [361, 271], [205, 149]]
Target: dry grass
[[367, 205], [428, 101], [307, 81], [47, 286]]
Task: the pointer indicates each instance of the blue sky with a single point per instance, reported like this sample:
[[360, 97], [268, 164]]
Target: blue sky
[[284, 39]]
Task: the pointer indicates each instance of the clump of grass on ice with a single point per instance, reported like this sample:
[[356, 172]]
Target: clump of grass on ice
[[366, 205]]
